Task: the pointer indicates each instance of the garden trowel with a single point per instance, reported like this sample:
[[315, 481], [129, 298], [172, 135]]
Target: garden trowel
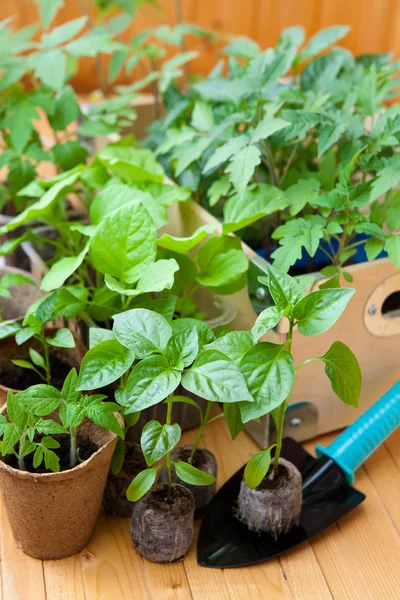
[[328, 495]]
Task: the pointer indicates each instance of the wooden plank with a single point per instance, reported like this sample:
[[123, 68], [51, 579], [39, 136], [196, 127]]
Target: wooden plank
[[22, 576], [165, 581], [111, 567], [63, 579]]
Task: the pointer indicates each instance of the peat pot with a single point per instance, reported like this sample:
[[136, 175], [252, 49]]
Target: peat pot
[[52, 515]]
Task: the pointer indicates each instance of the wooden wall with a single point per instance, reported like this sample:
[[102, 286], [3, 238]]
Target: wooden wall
[[375, 23]]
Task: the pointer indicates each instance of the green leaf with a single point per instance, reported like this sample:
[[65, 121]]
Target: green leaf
[[36, 358], [51, 460], [392, 247], [15, 411], [49, 442], [141, 484], [49, 427], [38, 457], [293, 236], [157, 440], [98, 335], [62, 270], [284, 290], [322, 40], [233, 419], [183, 347], [27, 448], [243, 47], [257, 467], [50, 67], [222, 262], [242, 166], [104, 364], [189, 474], [11, 436], [215, 377], [343, 370], [68, 390], [301, 193], [159, 276], [143, 331], [373, 247], [48, 10], [70, 154], [42, 399], [102, 414], [132, 165], [318, 311], [225, 152], [386, 178], [328, 136], [39, 209], [163, 306], [25, 334], [241, 211], [9, 329], [62, 339], [150, 382], [267, 127], [202, 116], [124, 243], [269, 373], [234, 345], [24, 364], [118, 457], [204, 331], [66, 109], [61, 34], [183, 245], [266, 320], [218, 189], [114, 196]]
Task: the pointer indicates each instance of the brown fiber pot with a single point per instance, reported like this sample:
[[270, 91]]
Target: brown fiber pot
[[66, 359], [52, 515]]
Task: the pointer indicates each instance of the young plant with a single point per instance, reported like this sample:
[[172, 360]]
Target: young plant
[[269, 369], [271, 151], [34, 327], [166, 355], [25, 412]]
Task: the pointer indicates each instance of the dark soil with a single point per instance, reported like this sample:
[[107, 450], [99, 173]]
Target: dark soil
[[17, 378], [203, 460], [85, 449], [162, 528], [115, 501], [279, 480], [274, 506]]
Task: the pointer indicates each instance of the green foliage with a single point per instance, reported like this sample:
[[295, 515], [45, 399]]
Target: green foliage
[[23, 423], [293, 159]]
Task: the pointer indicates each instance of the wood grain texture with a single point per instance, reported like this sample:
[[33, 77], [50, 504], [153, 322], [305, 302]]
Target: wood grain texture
[[358, 558], [375, 24]]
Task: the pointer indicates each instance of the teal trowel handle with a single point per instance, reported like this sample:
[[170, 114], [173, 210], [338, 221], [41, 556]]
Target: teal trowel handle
[[352, 447]]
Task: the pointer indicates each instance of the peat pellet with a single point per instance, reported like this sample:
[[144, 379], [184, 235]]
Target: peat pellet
[[275, 505], [115, 502], [162, 528], [203, 460]]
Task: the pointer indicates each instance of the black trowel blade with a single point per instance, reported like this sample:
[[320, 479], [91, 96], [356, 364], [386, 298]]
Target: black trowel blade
[[225, 542]]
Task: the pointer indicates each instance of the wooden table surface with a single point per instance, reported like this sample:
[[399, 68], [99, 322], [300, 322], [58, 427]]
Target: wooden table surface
[[358, 558]]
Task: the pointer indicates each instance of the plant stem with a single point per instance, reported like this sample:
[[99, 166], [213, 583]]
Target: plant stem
[[46, 359], [282, 408], [203, 423], [168, 455], [72, 449], [21, 461], [289, 162], [270, 163]]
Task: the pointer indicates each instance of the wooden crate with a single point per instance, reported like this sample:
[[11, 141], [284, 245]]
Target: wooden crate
[[374, 338]]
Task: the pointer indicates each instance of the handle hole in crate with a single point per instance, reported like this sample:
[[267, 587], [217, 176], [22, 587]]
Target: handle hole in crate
[[391, 306]]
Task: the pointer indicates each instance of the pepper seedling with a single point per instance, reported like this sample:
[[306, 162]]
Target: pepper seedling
[[25, 412], [269, 369], [166, 354]]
